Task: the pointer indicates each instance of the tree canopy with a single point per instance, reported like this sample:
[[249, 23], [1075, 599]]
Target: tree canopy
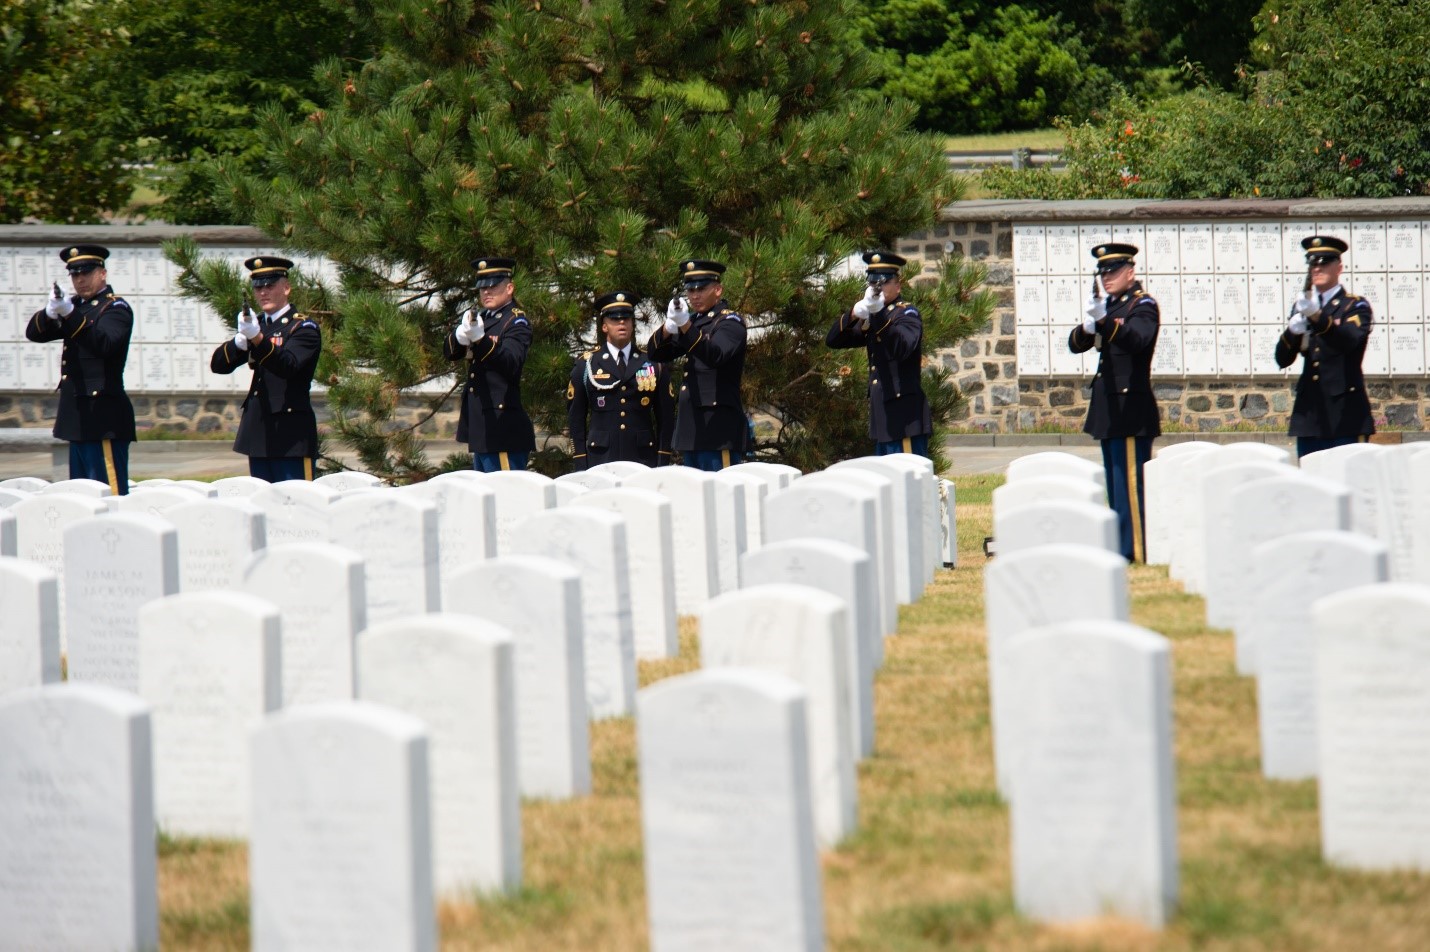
[[599, 143]]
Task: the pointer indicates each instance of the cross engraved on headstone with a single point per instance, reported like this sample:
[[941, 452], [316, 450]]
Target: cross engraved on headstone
[[795, 568], [293, 568], [206, 523], [813, 508], [709, 707], [1046, 528], [53, 723], [52, 517], [503, 588], [110, 538]]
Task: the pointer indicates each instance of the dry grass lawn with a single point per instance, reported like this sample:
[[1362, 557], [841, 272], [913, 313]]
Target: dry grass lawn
[[929, 866]]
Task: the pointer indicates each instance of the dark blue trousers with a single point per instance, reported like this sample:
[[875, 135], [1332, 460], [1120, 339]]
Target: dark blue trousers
[[496, 462], [917, 445], [711, 461], [104, 460], [1314, 444], [278, 469], [1122, 462]]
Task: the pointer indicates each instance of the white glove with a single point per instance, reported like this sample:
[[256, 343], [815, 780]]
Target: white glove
[[867, 306], [248, 325], [1298, 324], [677, 312], [58, 307], [1307, 305], [1096, 310], [467, 331], [240, 342]]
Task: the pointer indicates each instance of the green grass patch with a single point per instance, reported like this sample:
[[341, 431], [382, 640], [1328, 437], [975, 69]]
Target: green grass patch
[[1039, 140]]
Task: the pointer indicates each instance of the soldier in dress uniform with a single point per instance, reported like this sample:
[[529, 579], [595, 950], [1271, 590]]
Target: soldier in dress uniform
[[892, 331], [1328, 328], [494, 341], [710, 424], [627, 397], [94, 414], [1123, 413], [278, 431]]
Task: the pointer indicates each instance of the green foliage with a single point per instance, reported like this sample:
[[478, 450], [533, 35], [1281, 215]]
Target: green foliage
[[197, 72], [1338, 114], [598, 143], [62, 140], [976, 69]]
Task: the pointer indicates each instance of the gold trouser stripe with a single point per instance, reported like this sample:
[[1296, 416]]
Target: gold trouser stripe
[[908, 445], [109, 469], [505, 462], [724, 459], [1134, 493], [308, 468]]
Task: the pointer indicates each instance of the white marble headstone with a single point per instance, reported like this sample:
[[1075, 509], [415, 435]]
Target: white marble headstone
[[650, 548], [755, 490], [538, 600], [466, 524], [1287, 573], [906, 523], [114, 565], [802, 633], [320, 594], [948, 523], [594, 542], [396, 536], [1188, 557], [456, 674], [296, 511], [693, 522], [1419, 468], [1372, 662], [83, 487], [24, 484], [217, 538], [619, 469], [839, 569], [726, 814], [8, 497], [1162, 476], [1037, 489], [730, 533], [1055, 463], [209, 668], [1034, 588], [883, 489], [590, 479], [155, 501], [242, 486], [40, 525], [1044, 523], [1220, 530], [841, 513], [519, 494], [1260, 511], [340, 856], [348, 480], [78, 857], [30, 628], [776, 475], [1093, 818]]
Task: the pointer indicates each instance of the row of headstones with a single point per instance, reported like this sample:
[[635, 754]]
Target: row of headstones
[[1339, 686], [830, 770], [1051, 498]]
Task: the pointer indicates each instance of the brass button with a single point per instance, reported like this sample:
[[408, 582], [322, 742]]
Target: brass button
[[289, 410], [623, 399], [1353, 389], [682, 388], [95, 394], [1124, 389], [1315, 376], [62, 377], [1315, 363], [501, 406], [623, 426]]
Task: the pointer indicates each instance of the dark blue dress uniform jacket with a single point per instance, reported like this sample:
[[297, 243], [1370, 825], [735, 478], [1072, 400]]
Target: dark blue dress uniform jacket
[[894, 341], [493, 419], [1122, 402], [93, 405], [278, 418], [632, 420], [1330, 396], [710, 414]]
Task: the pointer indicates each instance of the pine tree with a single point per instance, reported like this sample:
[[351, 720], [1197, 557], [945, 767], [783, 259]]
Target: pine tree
[[598, 143]]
